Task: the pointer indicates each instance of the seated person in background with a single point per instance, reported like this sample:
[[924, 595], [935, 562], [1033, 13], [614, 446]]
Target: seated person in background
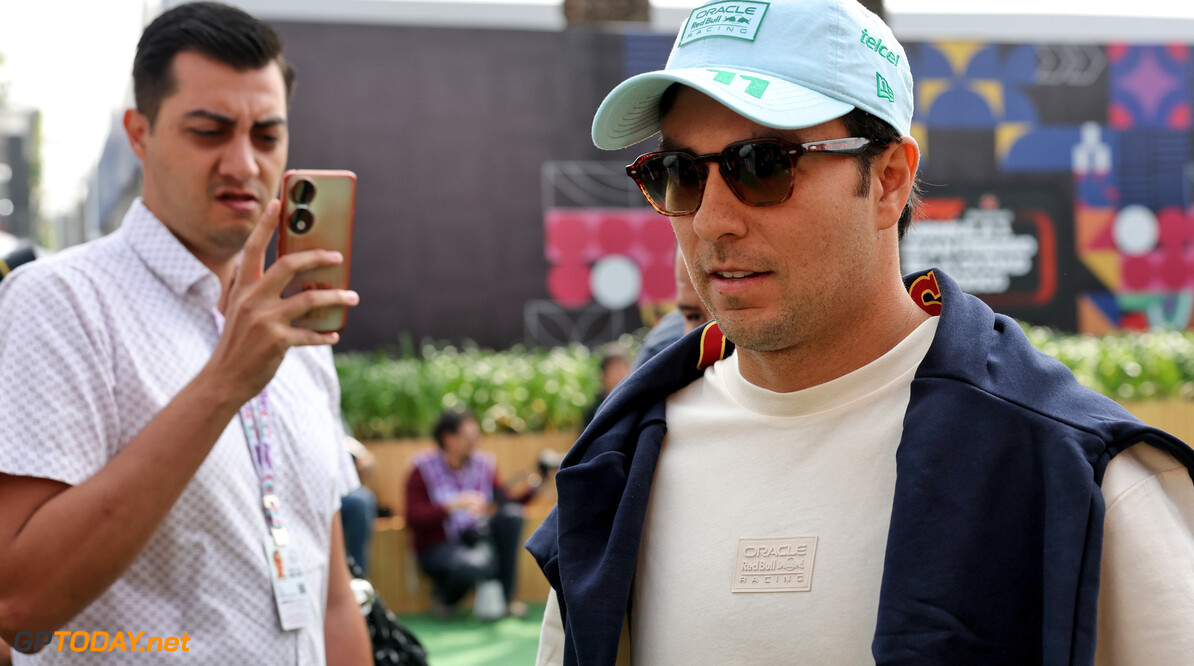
[[615, 366], [465, 528], [358, 509], [689, 314]]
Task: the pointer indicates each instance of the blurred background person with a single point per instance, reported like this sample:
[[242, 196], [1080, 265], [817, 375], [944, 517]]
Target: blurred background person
[[689, 314], [358, 509], [615, 366], [465, 528]]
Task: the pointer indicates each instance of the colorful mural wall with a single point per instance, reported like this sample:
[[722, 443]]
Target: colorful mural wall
[[1057, 186], [1059, 179]]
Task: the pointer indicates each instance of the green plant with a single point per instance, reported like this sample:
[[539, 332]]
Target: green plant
[[518, 390], [532, 390], [1125, 365]]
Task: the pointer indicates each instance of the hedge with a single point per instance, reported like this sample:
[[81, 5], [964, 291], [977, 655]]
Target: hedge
[[1126, 366], [518, 390], [532, 390]]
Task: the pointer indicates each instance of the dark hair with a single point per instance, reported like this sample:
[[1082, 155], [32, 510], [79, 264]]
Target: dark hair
[[450, 422], [862, 124], [611, 358], [217, 31], [858, 123]]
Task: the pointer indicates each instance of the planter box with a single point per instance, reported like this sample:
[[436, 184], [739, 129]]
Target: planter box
[[1175, 416], [394, 570], [515, 454]]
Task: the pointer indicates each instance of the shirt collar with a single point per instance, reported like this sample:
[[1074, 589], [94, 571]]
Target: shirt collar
[[166, 256]]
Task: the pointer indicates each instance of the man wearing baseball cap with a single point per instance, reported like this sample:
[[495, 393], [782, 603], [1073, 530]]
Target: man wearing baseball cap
[[885, 471]]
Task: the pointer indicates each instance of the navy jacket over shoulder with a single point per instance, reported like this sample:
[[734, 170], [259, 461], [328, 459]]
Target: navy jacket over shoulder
[[996, 528]]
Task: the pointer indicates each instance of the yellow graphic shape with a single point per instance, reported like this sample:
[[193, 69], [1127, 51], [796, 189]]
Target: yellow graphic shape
[[921, 134], [1091, 320], [1106, 266], [929, 90], [1089, 224], [959, 54], [1006, 136], [651, 313], [992, 92], [927, 93]]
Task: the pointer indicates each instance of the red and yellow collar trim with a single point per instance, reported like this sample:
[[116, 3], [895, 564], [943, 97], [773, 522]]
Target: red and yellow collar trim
[[925, 291], [713, 346]]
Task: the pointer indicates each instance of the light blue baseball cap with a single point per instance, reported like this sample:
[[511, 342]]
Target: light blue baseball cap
[[786, 64]]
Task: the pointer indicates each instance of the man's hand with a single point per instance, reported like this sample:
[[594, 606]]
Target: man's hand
[[257, 331], [471, 502]]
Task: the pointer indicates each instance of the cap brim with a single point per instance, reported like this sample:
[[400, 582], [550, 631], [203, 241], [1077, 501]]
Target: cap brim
[[630, 112]]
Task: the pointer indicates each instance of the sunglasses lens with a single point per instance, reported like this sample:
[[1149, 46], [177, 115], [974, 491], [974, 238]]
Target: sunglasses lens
[[672, 182], [760, 173]]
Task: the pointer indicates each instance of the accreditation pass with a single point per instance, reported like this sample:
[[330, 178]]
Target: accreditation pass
[[291, 592]]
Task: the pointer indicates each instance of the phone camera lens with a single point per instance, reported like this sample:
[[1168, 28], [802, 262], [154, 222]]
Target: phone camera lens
[[301, 221], [302, 192]]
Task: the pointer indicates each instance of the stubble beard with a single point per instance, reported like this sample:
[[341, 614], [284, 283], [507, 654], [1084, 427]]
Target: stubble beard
[[743, 325], [228, 242], [780, 331]]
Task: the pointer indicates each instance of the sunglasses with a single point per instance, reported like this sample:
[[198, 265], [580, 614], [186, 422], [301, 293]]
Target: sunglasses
[[760, 172]]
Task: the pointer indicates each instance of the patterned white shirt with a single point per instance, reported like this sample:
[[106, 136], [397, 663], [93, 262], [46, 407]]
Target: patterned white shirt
[[99, 339]]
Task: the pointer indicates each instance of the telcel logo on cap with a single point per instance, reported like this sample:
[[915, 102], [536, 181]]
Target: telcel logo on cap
[[739, 19], [876, 44]]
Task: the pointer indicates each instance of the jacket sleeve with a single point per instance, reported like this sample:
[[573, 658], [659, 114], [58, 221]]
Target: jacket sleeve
[[420, 510]]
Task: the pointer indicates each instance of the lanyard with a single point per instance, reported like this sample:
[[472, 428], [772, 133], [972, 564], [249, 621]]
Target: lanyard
[[254, 418], [295, 607]]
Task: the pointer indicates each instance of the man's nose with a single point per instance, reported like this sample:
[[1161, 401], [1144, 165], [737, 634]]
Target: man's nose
[[721, 211], [240, 159]]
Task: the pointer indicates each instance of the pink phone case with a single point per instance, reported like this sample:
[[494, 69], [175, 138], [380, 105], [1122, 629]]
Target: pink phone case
[[317, 212]]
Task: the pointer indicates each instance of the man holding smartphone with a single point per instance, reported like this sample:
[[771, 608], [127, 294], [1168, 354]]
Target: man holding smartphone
[[176, 435]]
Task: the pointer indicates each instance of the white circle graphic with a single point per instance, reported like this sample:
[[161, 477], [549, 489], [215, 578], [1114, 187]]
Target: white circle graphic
[[616, 282], [1136, 230]]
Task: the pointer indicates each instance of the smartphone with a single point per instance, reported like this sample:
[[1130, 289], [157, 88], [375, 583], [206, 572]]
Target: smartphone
[[317, 213]]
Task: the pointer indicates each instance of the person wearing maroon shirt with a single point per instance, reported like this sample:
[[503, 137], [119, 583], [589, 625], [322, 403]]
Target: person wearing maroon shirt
[[465, 527]]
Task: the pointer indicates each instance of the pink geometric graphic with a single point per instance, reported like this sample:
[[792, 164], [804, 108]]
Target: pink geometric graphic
[[568, 238], [1170, 267], [614, 235], [1148, 87], [568, 284], [575, 238], [659, 283], [1177, 228]]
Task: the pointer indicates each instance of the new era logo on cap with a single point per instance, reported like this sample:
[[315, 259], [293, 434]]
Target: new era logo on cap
[[883, 88], [739, 19]]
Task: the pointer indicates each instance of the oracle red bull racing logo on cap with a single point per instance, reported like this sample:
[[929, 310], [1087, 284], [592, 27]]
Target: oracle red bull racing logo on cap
[[739, 19]]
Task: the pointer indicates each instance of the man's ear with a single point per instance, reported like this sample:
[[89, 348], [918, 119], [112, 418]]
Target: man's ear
[[896, 170], [136, 126]]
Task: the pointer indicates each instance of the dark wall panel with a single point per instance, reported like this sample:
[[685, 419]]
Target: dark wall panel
[[447, 130]]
